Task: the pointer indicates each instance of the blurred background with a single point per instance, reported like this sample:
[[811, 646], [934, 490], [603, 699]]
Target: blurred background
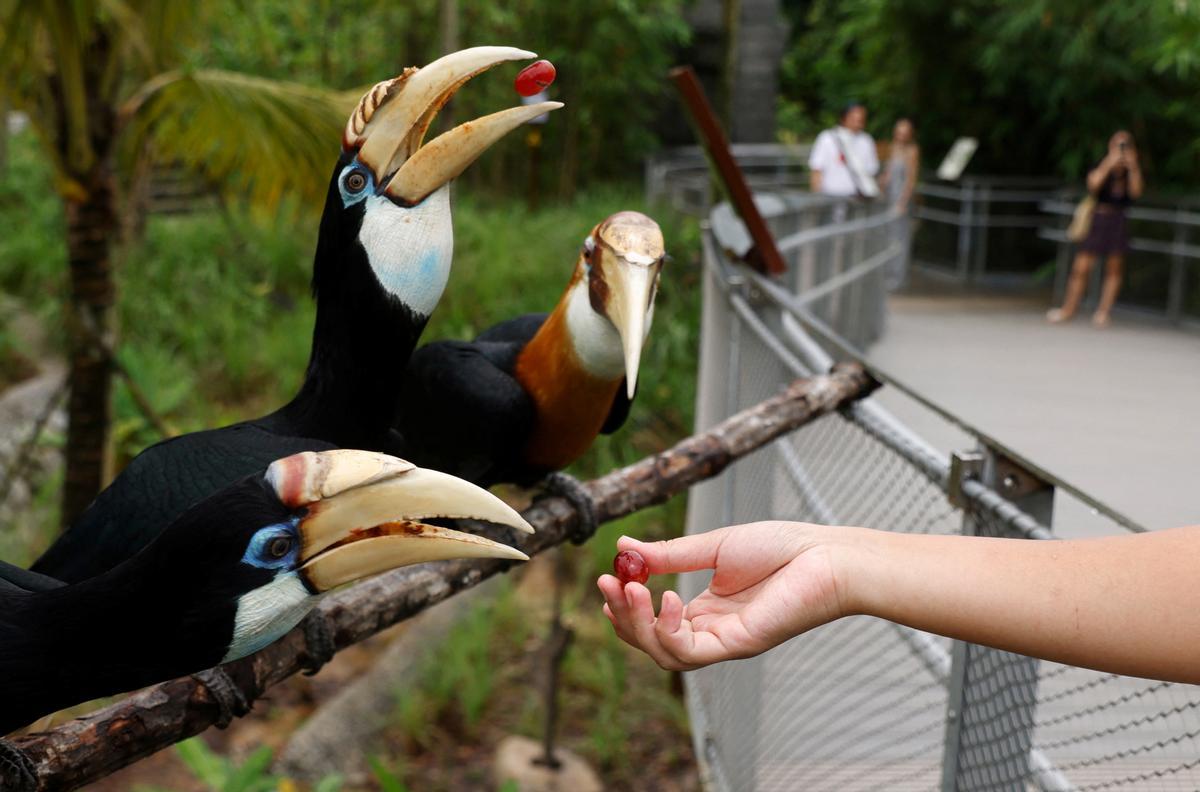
[[163, 166]]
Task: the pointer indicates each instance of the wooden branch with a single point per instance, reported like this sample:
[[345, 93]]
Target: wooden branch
[[88, 748]]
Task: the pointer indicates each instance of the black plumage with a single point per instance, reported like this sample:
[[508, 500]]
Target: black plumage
[[167, 611], [463, 410], [347, 400]]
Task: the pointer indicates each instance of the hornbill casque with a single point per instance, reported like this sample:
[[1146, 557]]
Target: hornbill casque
[[231, 575], [382, 260], [529, 396]]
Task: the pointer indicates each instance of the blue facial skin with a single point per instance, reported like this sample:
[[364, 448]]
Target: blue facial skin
[[350, 197], [264, 551]]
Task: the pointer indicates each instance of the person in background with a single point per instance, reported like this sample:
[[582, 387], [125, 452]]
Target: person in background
[[1116, 183], [843, 162], [1122, 604], [897, 182]]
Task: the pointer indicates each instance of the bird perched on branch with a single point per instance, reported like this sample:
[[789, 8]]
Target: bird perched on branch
[[233, 574], [382, 260], [529, 396]]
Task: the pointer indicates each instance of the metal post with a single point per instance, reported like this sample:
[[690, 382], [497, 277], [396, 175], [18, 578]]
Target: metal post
[[980, 242], [993, 695], [965, 211], [1175, 285]]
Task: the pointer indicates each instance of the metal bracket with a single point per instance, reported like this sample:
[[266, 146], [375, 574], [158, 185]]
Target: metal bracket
[[964, 466], [1014, 481]]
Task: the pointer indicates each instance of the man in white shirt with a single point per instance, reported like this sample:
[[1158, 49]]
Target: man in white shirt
[[843, 160]]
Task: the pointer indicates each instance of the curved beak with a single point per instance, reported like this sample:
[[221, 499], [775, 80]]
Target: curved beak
[[389, 124], [631, 286], [365, 511]]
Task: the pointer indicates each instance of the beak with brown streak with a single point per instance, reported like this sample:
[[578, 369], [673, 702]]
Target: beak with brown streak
[[389, 124], [630, 252], [365, 511]]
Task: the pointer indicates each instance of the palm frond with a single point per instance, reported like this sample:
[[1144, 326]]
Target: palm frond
[[256, 138]]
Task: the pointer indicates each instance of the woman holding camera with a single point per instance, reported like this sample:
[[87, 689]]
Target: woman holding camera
[[1115, 183]]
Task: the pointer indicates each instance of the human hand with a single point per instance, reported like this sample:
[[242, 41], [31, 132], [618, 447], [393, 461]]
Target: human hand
[[771, 581]]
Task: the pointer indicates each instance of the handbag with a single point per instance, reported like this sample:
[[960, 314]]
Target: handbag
[[1081, 221]]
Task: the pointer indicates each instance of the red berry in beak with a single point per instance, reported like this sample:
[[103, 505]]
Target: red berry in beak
[[630, 566], [535, 77]]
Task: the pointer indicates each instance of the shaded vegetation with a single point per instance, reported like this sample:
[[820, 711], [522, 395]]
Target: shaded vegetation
[[1042, 84]]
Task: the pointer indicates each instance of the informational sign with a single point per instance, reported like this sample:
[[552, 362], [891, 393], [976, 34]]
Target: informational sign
[[957, 158]]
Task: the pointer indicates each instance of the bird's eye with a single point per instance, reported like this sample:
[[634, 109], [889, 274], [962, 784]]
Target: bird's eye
[[589, 245], [279, 547], [356, 181]]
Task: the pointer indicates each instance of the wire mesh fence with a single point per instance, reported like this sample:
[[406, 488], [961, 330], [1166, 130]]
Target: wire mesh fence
[[862, 703]]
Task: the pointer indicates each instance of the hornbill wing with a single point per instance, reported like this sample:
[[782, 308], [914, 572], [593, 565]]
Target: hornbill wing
[[514, 331], [159, 484], [15, 580], [462, 412], [619, 412]]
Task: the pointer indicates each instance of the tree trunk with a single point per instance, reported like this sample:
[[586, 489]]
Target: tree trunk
[[91, 227]]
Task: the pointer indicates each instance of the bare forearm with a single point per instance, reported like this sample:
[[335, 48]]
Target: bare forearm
[[814, 181], [1125, 604]]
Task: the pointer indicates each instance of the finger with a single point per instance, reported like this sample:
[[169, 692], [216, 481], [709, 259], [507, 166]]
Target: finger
[[685, 554], [618, 628], [670, 614], [614, 596], [641, 619]]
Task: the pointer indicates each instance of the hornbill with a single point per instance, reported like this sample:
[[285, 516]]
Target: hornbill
[[382, 260], [231, 575], [528, 396]]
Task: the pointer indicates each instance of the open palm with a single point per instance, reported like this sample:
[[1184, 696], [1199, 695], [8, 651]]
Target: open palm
[[771, 581]]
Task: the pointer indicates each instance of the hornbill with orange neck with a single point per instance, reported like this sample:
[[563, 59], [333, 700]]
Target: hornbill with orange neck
[[231, 575], [382, 260], [528, 396]]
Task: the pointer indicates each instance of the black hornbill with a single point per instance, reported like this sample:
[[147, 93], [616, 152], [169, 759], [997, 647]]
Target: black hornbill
[[528, 396], [231, 575], [382, 260]]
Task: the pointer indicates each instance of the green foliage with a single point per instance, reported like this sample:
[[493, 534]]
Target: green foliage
[[389, 779], [1042, 84], [611, 55], [219, 774], [459, 678]]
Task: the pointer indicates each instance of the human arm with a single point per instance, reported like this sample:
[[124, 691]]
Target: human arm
[[1124, 604], [1097, 175], [1136, 182]]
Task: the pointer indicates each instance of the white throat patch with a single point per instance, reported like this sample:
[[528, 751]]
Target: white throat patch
[[410, 249], [596, 341], [267, 613]]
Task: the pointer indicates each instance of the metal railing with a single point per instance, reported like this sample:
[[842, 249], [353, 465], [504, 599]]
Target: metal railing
[[1162, 269], [863, 703], [680, 177], [984, 230]]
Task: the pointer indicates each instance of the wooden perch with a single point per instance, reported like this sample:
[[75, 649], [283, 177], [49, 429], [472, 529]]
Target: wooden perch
[[86, 749]]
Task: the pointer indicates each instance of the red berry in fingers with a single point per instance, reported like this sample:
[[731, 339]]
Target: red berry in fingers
[[535, 77], [630, 566]]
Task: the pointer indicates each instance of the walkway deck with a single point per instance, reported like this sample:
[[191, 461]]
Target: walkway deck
[[1116, 412]]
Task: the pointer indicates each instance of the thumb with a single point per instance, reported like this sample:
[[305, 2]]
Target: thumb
[[685, 554]]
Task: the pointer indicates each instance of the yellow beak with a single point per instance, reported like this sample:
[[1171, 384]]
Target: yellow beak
[[364, 514]]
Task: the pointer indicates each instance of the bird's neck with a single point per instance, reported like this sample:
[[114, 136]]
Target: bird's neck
[[360, 348], [571, 369]]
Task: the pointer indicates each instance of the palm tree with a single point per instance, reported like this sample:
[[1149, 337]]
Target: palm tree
[[97, 80]]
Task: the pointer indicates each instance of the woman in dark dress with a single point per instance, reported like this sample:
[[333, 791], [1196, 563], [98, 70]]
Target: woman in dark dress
[[1116, 183]]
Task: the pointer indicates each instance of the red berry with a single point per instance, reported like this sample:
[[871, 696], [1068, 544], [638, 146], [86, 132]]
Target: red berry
[[630, 566], [535, 77]]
